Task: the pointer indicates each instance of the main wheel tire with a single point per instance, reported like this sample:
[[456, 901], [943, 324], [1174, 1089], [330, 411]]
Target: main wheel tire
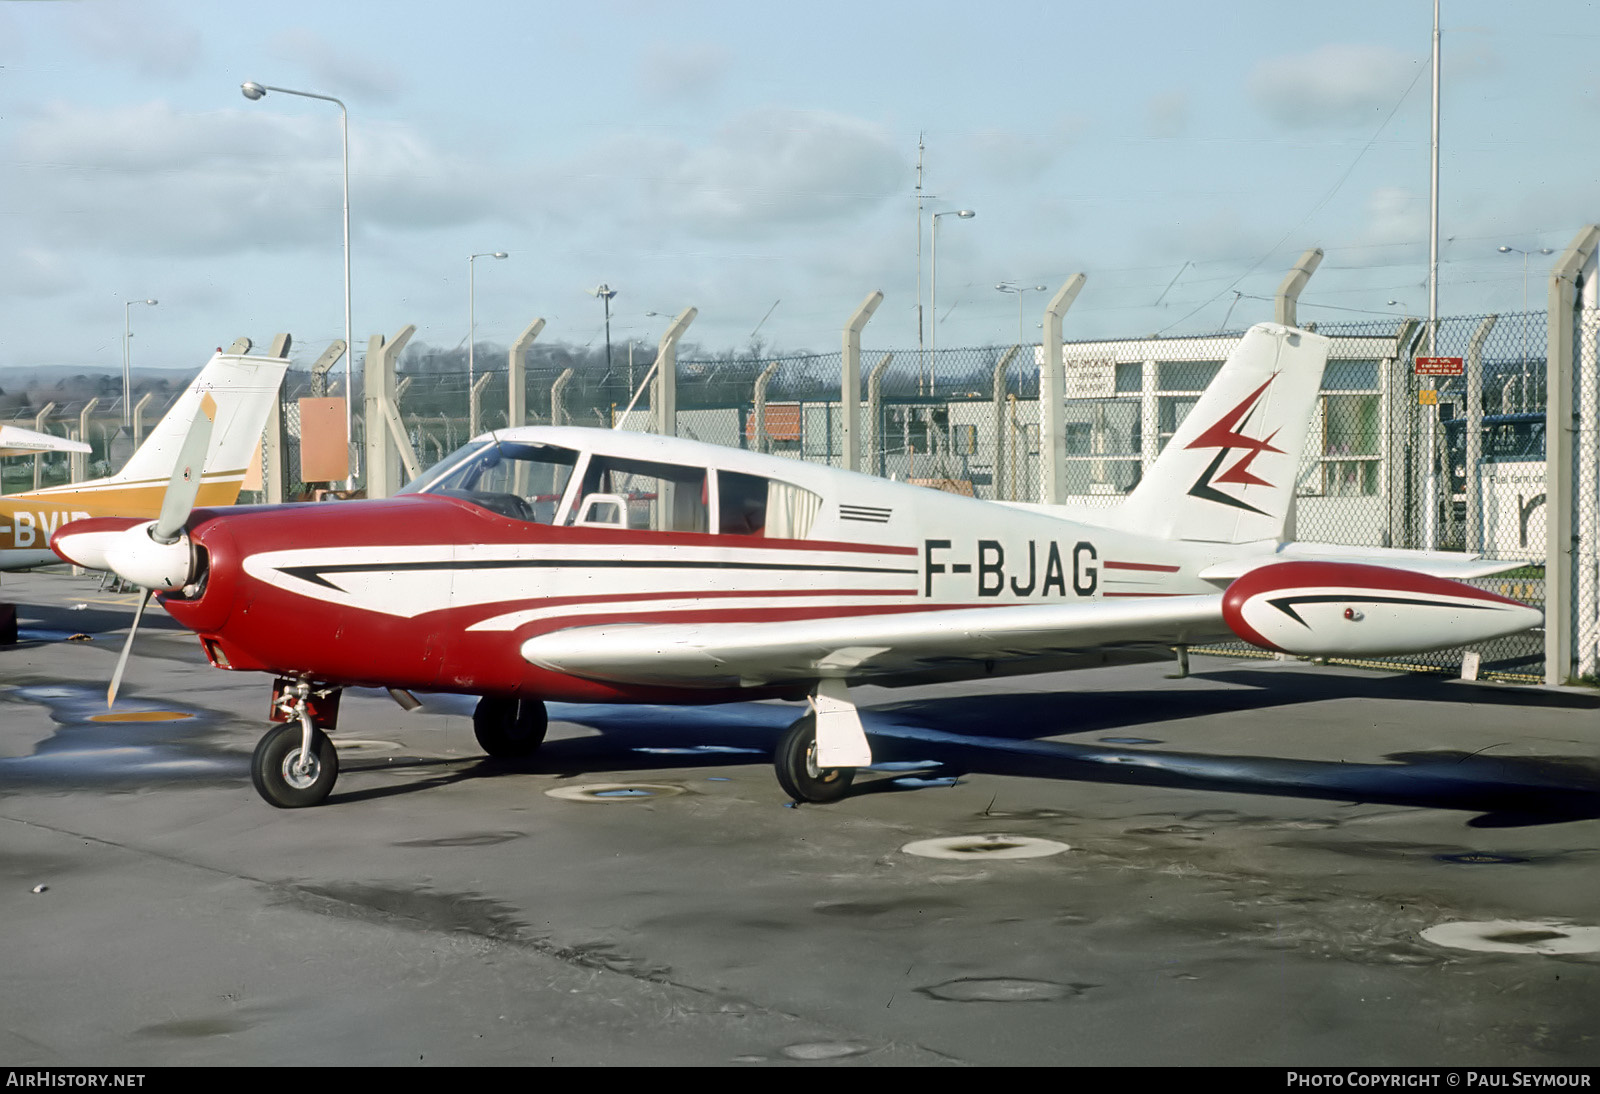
[[509, 729], [273, 768], [796, 763]]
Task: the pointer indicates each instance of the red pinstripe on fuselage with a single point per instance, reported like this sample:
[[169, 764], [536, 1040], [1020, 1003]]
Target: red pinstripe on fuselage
[[329, 612]]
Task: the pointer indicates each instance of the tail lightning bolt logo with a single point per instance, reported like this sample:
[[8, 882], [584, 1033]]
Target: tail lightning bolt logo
[[1223, 435]]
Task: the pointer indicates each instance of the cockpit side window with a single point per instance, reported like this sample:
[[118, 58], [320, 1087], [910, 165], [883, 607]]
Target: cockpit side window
[[749, 505], [512, 478], [662, 497]]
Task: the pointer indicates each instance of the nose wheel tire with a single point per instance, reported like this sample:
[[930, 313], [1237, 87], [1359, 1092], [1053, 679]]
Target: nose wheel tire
[[796, 763], [280, 776], [509, 729]]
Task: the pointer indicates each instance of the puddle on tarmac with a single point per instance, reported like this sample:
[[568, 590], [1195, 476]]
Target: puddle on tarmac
[[823, 1050], [614, 792], [136, 745], [1545, 937], [984, 847], [472, 913], [471, 839], [700, 750], [1002, 989], [193, 1027]]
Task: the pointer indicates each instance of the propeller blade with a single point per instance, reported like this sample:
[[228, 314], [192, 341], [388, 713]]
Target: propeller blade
[[127, 648], [184, 485]]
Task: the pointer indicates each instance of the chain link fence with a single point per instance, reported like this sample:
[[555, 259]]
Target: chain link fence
[[1393, 459]]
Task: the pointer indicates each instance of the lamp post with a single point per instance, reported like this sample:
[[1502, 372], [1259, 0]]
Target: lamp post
[[127, 372], [605, 293], [254, 91], [471, 321], [1503, 249], [1006, 286], [1525, 255], [933, 293]]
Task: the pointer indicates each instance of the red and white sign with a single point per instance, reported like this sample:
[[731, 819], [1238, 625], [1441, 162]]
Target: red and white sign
[[1440, 366]]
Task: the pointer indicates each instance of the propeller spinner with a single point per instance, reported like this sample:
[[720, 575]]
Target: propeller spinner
[[154, 555]]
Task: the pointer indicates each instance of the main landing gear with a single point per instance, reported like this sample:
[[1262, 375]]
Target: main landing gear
[[295, 764], [509, 729], [795, 760]]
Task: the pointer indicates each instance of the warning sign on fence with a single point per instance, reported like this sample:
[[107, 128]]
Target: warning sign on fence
[[1440, 366]]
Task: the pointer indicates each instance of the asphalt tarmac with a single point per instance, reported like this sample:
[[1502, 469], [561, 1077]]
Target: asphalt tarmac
[[1265, 863]]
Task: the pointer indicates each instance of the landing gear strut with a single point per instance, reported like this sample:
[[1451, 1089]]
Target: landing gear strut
[[509, 729], [796, 762], [295, 764]]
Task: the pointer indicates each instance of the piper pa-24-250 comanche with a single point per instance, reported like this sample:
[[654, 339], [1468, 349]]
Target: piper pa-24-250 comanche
[[582, 565]]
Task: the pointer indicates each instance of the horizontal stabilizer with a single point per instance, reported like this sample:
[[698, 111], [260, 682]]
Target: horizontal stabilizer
[[1450, 564]]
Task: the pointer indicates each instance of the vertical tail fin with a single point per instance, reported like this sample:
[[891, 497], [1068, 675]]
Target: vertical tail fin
[[243, 388], [1228, 474]]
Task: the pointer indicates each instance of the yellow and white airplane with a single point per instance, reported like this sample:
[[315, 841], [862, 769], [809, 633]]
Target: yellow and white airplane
[[242, 387]]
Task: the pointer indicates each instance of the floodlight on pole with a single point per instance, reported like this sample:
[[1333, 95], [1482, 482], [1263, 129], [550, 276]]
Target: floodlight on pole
[[1020, 290], [127, 372], [255, 92], [1506, 250], [605, 293], [471, 319], [933, 292]]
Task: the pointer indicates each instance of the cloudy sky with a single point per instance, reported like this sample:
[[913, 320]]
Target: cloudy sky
[[737, 156]]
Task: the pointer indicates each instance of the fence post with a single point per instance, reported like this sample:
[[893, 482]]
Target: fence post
[[1587, 514], [1052, 393], [664, 398], [1286, 305], [760, 405], [1566, 283], [1397, 410], [38, 425], [319, 371], [875, 416], [1472, 541], [998, 394], [558, 399], [850, 380], [516, 375], [474, 398], [80, 460], [385, 434], [138, 418]]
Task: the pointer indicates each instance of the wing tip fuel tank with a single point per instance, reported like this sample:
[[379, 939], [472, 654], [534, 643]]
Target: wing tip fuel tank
[[1340, 609]]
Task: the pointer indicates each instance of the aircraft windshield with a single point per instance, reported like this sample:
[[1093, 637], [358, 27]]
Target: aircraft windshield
[[515, 479]]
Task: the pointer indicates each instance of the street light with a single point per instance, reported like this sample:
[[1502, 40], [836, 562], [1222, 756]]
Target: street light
[[254, 92], [933, 292], [1006, 286], [605, 293], [127, 374], [471, 321], [1505, 250]]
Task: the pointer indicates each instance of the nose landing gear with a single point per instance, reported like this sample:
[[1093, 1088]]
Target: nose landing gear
[[295, 764]]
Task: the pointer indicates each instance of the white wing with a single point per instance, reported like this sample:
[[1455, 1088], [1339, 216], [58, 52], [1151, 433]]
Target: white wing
[[867, 647], [16, 441]]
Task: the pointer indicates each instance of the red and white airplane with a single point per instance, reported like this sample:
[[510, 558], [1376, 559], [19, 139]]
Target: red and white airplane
[[580, 565]]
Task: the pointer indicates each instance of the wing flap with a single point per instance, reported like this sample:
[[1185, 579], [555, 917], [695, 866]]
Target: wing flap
[[862, 647]]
